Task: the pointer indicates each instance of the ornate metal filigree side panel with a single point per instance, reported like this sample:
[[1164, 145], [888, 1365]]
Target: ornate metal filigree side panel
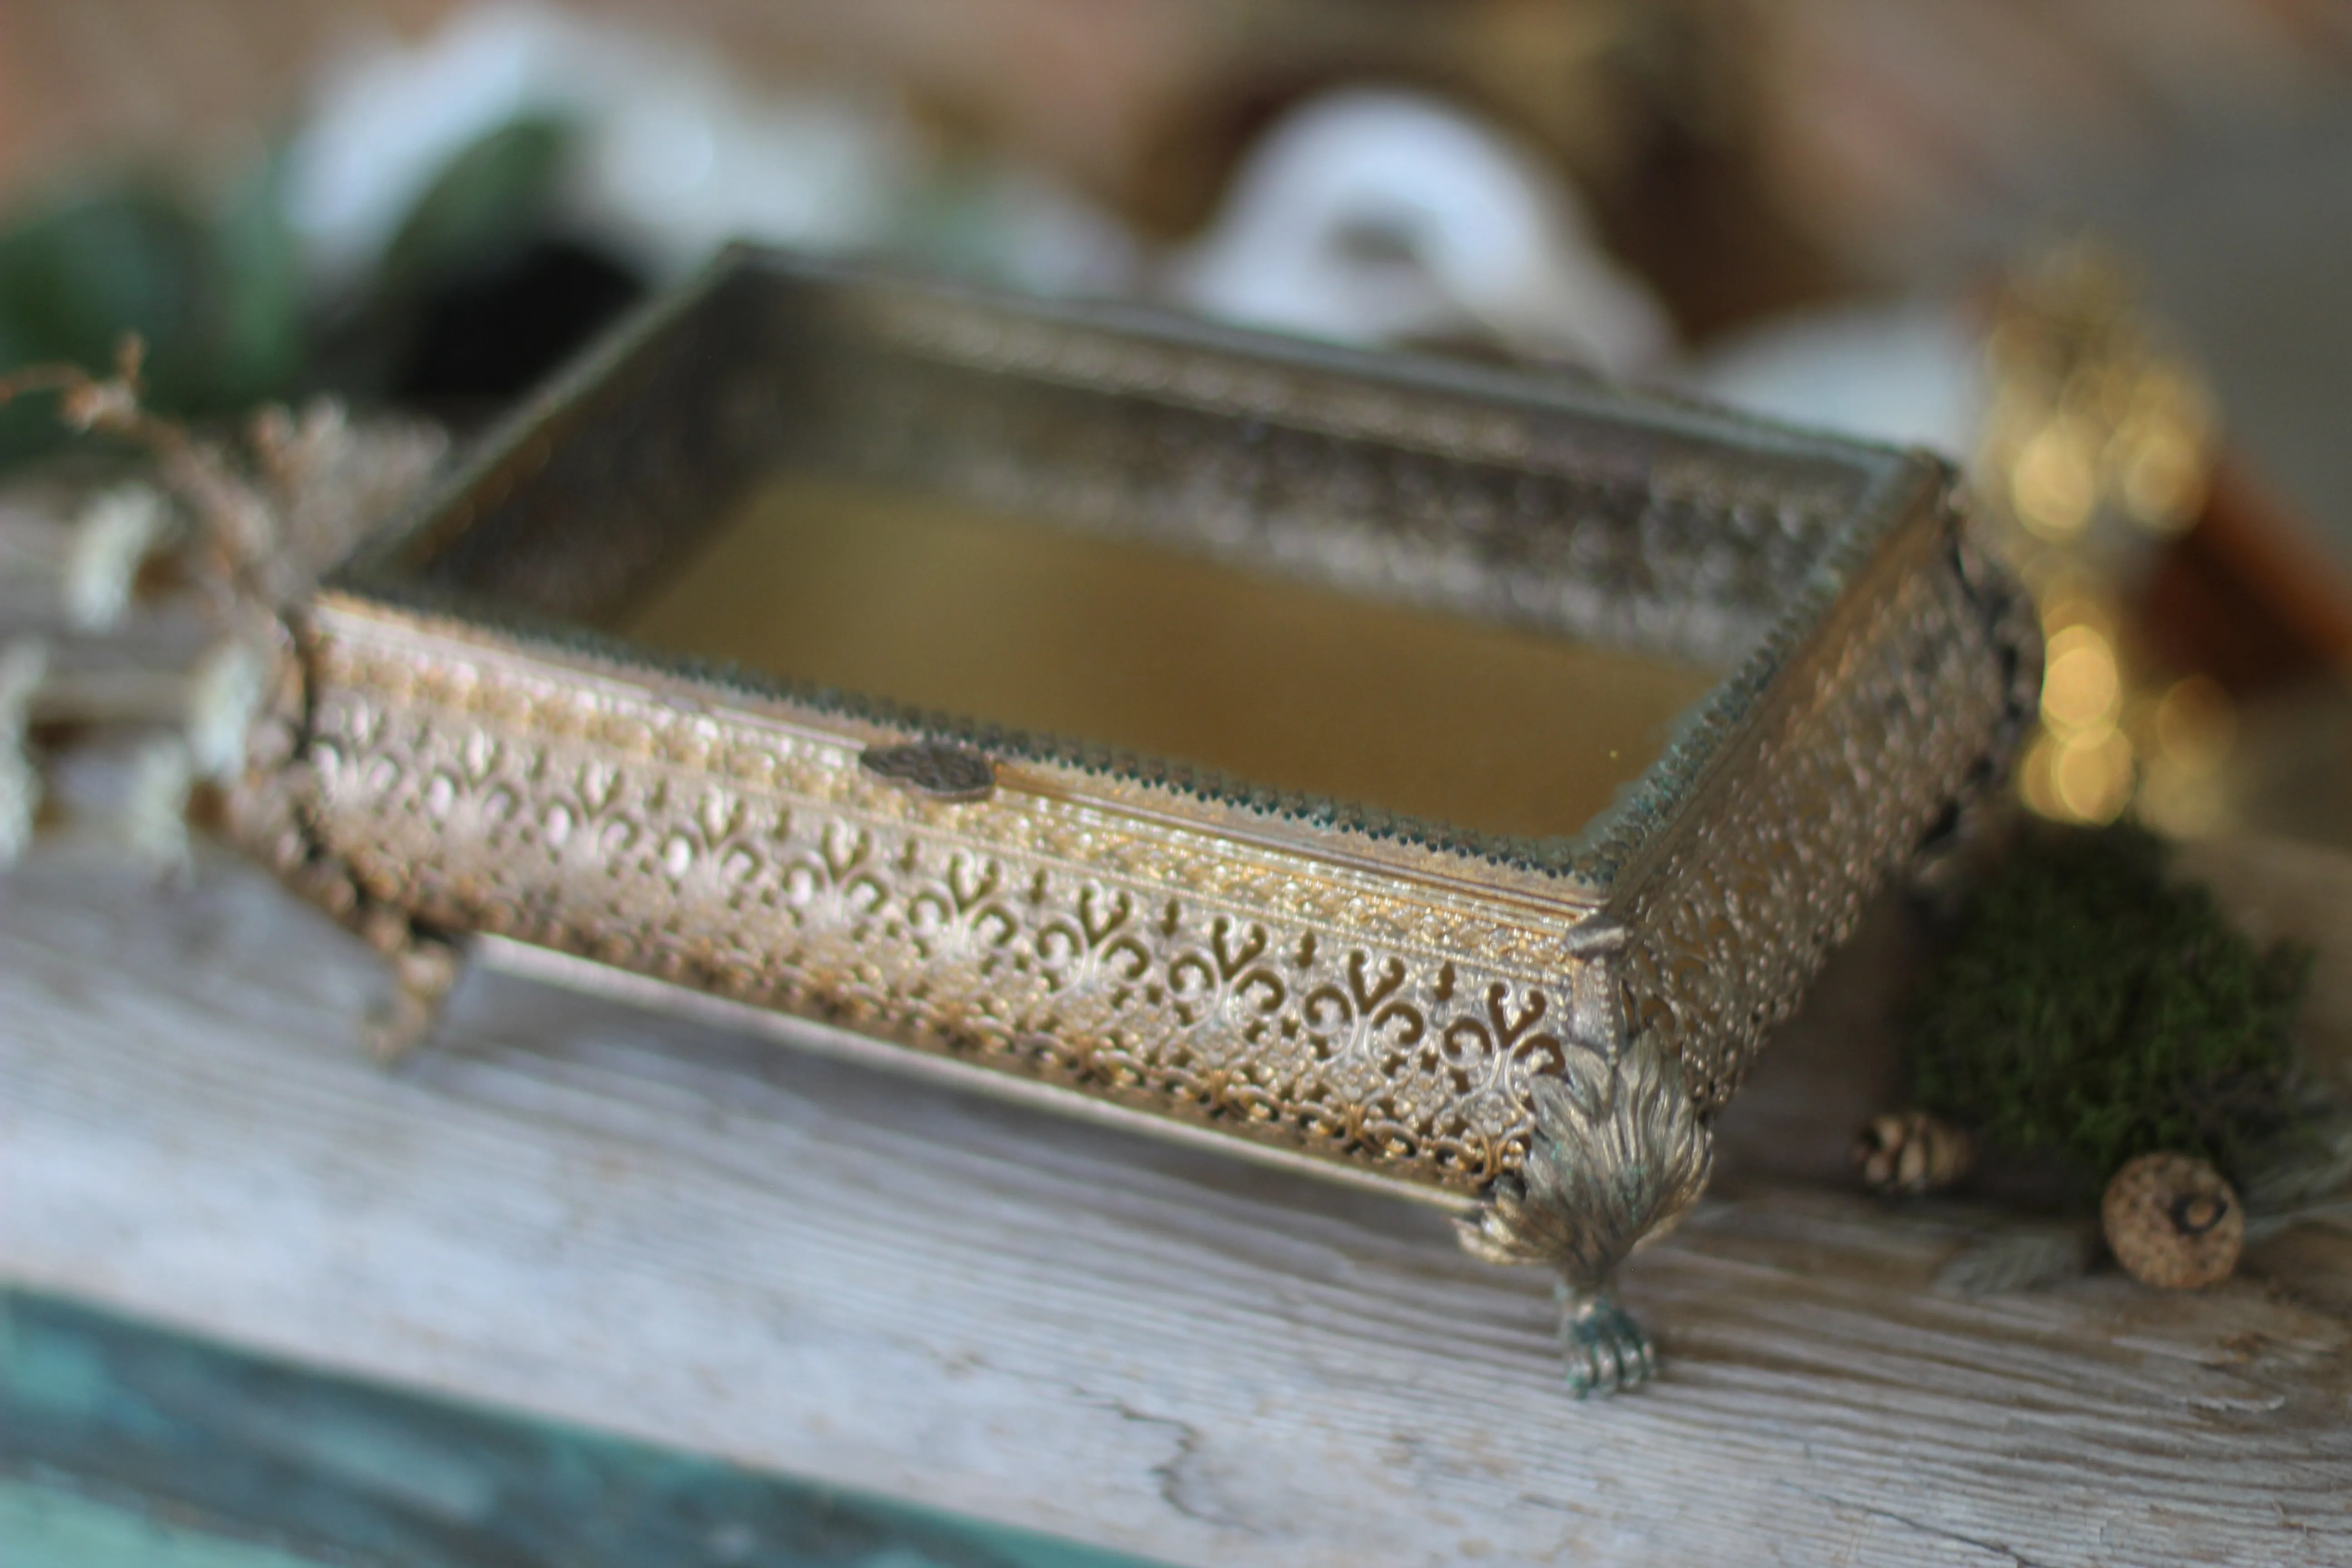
[[1340, 1013], [1902, 712]]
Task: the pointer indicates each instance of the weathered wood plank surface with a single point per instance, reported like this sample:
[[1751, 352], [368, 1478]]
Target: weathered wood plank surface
[[651, 1226]]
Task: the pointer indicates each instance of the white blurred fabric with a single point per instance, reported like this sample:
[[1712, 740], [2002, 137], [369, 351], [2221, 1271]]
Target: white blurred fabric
[[676, 155], [1376, 216]]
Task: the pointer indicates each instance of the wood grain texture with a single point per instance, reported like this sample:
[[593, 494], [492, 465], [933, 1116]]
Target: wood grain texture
[[127, 1446], [652, 1227]]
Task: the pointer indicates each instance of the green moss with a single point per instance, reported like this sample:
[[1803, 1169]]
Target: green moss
[[2089, 1007]]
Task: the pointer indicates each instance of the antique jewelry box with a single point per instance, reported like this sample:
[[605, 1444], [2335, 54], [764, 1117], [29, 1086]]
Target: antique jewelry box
[[1434, 776]]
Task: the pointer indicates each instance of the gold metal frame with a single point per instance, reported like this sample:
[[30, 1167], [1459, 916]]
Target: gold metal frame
[[1541, 1030]]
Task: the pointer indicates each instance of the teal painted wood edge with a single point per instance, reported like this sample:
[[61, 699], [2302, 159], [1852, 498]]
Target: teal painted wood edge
[[49, 1526], [133, 1419]]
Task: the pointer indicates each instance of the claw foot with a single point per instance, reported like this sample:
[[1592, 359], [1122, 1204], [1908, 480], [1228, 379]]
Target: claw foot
[[424, 969], [1606, 1350]]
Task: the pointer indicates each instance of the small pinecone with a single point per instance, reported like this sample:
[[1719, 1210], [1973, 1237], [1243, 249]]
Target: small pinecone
[[2173, 1223], [1909, 1153]]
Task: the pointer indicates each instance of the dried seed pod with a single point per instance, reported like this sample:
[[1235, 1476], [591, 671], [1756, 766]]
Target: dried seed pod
[[2173, 1223], [1911, 1153]]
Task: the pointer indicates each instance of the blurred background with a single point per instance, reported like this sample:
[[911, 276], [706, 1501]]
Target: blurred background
[[2092, 249]]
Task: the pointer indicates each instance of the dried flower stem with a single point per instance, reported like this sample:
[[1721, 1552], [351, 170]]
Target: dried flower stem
[[260, 521], [237, 534]]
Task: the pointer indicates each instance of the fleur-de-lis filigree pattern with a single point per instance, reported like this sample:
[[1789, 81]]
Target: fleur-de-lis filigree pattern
[[1374, 1024]]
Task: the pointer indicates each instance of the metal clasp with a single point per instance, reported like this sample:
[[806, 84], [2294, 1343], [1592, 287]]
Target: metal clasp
[[933, 768]]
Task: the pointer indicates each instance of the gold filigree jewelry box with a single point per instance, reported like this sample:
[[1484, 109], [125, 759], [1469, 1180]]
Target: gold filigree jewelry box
[[1431, 775]]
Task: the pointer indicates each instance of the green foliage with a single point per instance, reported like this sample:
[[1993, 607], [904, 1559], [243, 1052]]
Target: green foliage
[[260, 339], [487, 200], [2092, 1008], [215, 289], [76, 275], [213, 295]]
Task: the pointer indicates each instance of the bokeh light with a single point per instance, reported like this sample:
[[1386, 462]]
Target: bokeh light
[[2082, 689], [2098, 441]]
